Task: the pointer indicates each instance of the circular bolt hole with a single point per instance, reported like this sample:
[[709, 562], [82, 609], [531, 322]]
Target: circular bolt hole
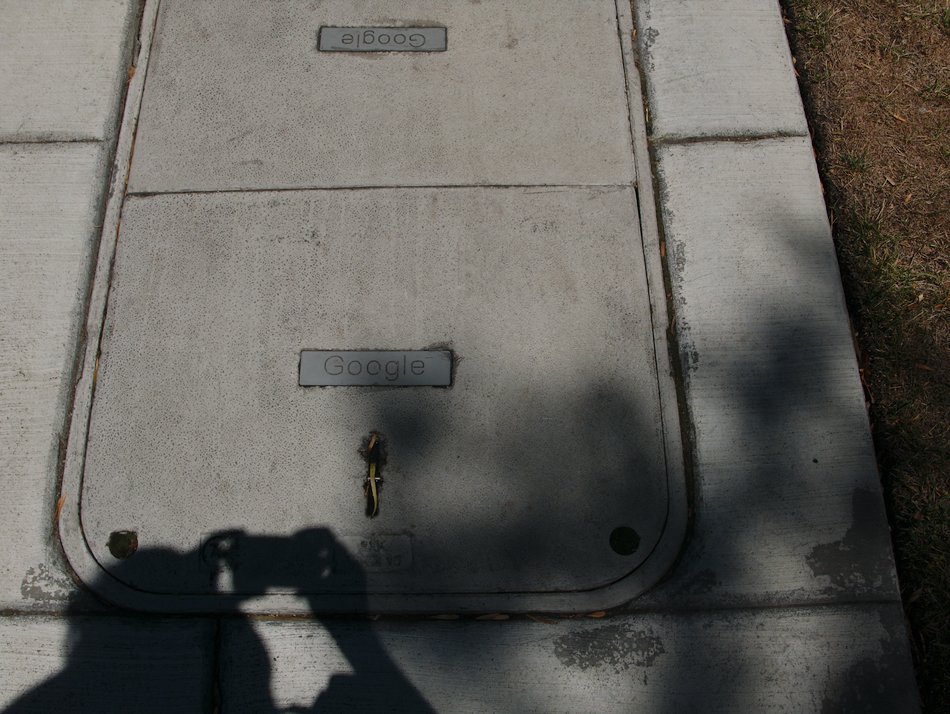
[[123, 543], [624, 540]]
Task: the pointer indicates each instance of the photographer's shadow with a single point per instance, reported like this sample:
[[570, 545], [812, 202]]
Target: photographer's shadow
[[304, 564], [236, 567]]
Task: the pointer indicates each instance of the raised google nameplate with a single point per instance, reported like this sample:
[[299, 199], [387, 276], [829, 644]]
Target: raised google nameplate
[[385, 368]]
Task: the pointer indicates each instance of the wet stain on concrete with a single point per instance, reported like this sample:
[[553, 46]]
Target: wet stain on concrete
[[861, 560], [649, 38], [41, 584], [617, 646]]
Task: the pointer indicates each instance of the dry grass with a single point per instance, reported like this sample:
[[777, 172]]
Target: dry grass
[[876, 78]]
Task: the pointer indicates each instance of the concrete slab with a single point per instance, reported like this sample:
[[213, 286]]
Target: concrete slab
[[105, 664], [63, 68], [719, 69], [790, 660], [238, 97], [788, 504], [49, 211], [503, 491]]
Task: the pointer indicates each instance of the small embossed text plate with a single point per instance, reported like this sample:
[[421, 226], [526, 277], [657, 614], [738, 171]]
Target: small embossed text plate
[[388, 368], [382, 39]]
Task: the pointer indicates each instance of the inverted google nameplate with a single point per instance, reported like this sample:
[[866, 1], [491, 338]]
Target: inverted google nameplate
[[388, 368], [382, 39]]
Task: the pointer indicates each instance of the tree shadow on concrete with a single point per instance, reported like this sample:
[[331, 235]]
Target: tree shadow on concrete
[[781, 479], [621, 659], [787, 507], [593, 419]]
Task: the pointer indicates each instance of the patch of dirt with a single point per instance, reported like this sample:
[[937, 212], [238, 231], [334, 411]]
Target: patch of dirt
[[875, 75]]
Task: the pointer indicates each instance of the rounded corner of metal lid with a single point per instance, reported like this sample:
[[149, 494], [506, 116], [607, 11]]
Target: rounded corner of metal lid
[[642, 579], [89, 571], [619, 593], [661, 560], [99, 579]]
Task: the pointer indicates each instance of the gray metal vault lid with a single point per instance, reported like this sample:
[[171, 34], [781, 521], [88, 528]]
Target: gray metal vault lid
[[513, 99], [487, 351]]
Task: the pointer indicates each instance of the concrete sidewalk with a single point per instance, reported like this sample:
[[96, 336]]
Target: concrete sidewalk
[[784, 596], [63, 77]]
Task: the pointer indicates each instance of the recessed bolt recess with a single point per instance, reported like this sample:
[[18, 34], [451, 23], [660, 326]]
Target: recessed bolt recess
[[624, 540], [122, 544]]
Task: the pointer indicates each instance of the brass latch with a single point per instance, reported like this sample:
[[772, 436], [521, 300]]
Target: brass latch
[[374, 476]]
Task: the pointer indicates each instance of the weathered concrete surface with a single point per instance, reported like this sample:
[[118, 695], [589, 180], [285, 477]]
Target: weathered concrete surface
[[833, 659], [839, 658], [105, 664], [49, 208], [238, 97], [62, 67], [788, 504], [512, 481], [716, 69]]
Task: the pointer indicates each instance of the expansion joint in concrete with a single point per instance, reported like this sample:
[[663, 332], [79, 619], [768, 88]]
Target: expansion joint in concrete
[[541, 187], [726, 138], [626, 80], [33, 140], [673, 610]]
